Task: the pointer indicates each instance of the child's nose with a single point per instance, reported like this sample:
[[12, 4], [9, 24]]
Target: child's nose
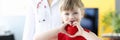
[[71, 17]]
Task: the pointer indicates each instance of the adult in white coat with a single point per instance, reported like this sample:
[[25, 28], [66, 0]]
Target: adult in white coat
[[45, 17]]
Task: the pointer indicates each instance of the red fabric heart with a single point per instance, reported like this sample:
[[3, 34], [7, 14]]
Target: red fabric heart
[[62, 36], [71, 29]]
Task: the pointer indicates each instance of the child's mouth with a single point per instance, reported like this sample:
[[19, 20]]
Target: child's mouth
[[72, 21]]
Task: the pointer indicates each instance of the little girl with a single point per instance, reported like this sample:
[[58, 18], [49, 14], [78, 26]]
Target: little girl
[[72, 11]]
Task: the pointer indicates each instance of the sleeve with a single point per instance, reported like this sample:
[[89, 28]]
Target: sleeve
[[29, 27]]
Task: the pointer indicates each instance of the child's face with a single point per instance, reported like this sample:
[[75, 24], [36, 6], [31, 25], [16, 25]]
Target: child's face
[[72, 15]]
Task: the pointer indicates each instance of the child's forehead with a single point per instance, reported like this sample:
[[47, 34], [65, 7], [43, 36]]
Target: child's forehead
[[70, 9], [73, 10]]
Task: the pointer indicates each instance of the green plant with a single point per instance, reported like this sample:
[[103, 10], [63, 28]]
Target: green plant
[[112, 19]]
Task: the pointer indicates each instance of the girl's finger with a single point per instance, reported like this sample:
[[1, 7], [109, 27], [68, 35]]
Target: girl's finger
[[64, 25], [80, 29], [78, 26]]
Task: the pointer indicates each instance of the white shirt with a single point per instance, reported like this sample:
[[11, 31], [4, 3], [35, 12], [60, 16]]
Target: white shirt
[[42, 19]]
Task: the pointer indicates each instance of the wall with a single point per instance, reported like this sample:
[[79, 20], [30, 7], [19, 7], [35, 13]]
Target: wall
[[103, 6], [13, 23], [12, 14]]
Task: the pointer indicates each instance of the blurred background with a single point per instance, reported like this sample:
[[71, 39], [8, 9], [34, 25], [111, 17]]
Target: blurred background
[[99, 16]]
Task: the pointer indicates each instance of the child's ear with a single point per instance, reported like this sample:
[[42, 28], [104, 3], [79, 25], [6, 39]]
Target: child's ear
[[83, 13]]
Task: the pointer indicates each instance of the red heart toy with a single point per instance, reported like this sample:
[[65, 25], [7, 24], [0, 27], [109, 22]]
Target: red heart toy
[[70, 29], [62, 36]]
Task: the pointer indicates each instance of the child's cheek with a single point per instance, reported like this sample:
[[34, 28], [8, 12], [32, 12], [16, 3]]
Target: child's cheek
[[67, 19]]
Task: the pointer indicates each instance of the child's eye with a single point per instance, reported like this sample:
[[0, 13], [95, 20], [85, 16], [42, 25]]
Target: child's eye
[[75, 13], [66, 13]]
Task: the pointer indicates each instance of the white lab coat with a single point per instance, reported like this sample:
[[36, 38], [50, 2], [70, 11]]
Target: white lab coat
[[42, 19]]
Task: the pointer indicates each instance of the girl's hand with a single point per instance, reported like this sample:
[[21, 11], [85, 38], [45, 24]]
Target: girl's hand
[[62, 29], [80, 29]]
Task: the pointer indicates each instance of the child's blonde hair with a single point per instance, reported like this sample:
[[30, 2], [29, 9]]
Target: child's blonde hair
[[70, 4]]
